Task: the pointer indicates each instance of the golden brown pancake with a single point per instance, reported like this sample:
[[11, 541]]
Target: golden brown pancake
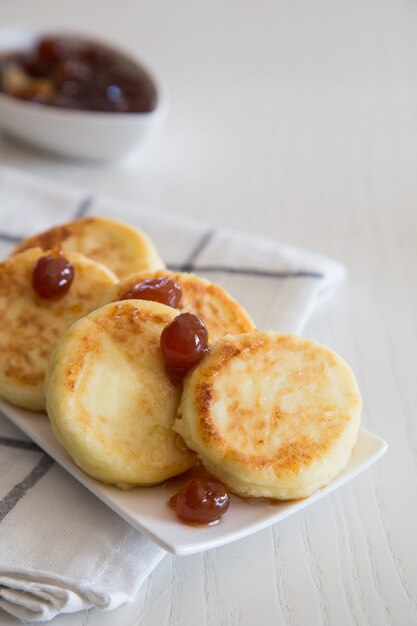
[[271, 415], [31, 326], [219, 311], [109, 399], [119, 246]]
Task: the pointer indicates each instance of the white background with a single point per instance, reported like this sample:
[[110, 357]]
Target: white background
[[295, 119]]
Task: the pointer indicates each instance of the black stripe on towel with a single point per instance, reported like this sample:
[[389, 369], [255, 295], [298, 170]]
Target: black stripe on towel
[[19, 443], [83, 207], [188, 266], [10, 238], [249, 272], [17, 493]]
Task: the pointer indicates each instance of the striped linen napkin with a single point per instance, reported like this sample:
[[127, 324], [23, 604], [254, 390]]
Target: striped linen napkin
[[61, 549]]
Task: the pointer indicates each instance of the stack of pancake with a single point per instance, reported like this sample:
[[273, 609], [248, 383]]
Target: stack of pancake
[[268, 414]]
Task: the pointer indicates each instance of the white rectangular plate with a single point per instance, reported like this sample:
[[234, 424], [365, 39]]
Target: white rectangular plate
[[146, 508]]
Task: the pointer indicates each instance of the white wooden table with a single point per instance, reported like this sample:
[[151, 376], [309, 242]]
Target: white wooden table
[[297, 120]]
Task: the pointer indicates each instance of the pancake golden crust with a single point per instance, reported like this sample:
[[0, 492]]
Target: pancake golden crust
[[271, 415], [31, 326], [109, 399], [219, 311], [121, 247]]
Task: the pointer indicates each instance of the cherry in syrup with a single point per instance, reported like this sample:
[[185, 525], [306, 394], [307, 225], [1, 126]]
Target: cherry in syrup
[[52, 275], [160, 289], [184, 342], [201, 501]]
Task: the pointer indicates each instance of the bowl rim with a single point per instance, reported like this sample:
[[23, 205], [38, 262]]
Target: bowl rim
[[32, 33]]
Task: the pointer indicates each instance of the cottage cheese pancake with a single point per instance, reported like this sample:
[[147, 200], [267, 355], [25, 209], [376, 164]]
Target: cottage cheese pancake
[[109, 399], [219, 311], [31, 325], [270, 414], [119, 246]]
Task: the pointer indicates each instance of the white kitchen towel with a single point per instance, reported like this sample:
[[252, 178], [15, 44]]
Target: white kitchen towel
[[61, 549]]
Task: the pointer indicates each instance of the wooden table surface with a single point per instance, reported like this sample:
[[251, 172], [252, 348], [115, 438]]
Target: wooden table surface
[[297, 120]]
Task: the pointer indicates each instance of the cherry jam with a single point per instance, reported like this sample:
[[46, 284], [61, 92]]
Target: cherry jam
[[184, 342], [86, 76], [201, 501], [52, 275], [163, 290]]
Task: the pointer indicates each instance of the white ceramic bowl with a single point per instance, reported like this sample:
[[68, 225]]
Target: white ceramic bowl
[[82, 134]]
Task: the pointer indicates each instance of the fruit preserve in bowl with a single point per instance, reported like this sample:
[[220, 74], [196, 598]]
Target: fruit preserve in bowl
[[75, 94]]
